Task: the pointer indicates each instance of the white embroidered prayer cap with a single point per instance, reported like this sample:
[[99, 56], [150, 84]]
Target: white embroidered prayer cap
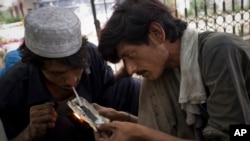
[[52, 32]]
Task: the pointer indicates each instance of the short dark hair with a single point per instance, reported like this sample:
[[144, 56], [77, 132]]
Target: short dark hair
[[130, 23], [79, 60]]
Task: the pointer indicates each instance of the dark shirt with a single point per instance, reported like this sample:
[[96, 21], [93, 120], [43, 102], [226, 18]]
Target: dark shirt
[[224, 62], [22, 87]]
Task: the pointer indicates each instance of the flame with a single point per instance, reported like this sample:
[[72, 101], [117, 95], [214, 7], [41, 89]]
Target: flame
[[78, 117]]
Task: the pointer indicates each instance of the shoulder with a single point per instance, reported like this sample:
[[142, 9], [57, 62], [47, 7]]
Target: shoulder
[[211, 42], [95, 57], [14, 76], [92, 47], [13, 84], [213, 39]]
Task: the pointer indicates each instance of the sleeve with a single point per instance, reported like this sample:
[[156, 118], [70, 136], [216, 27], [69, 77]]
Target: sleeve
[[223, 67], [13, 110]]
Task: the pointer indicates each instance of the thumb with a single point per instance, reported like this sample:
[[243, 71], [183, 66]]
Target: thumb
[[106, 126], [96, 106]]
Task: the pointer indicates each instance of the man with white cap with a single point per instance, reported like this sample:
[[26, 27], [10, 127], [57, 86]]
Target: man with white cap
[[55, 58]]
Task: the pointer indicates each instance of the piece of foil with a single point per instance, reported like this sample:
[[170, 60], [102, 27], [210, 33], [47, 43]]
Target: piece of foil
[[87, 112]]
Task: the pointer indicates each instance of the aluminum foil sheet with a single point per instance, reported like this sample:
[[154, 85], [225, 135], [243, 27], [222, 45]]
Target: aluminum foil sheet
[[86, 112]]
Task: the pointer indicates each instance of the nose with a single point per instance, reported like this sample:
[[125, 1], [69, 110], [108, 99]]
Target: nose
[[130, 67]]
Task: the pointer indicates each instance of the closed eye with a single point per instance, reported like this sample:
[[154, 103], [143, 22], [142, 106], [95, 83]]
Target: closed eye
[[128, 55]]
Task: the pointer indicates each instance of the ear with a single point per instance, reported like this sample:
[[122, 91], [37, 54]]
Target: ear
[[156, 33]]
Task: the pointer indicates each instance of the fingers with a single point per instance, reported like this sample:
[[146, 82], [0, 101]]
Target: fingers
[[51, 124], [43, 110], [101, 136], [97, 106], [44, 113], [42, 106], [108, 131], [42, 117], [47, 119], [101, 110], [98, 136], [107, 126], [105, 111]]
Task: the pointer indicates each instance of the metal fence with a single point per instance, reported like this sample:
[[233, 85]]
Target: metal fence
[[231, 16]]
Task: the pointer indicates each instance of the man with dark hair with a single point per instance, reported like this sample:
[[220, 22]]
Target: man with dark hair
[[55, 58], [195, 85]]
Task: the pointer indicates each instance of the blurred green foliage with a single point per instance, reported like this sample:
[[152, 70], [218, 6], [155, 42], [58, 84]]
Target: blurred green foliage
[[5, 18]]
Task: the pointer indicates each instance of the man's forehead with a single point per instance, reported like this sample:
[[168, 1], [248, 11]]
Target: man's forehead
[[120, 49]]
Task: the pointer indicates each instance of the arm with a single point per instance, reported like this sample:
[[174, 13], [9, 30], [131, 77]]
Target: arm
[[23, 136], [125, 131], [223, 64]]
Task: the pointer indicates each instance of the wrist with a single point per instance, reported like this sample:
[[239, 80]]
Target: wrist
[[23, 136], [29, 134]]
